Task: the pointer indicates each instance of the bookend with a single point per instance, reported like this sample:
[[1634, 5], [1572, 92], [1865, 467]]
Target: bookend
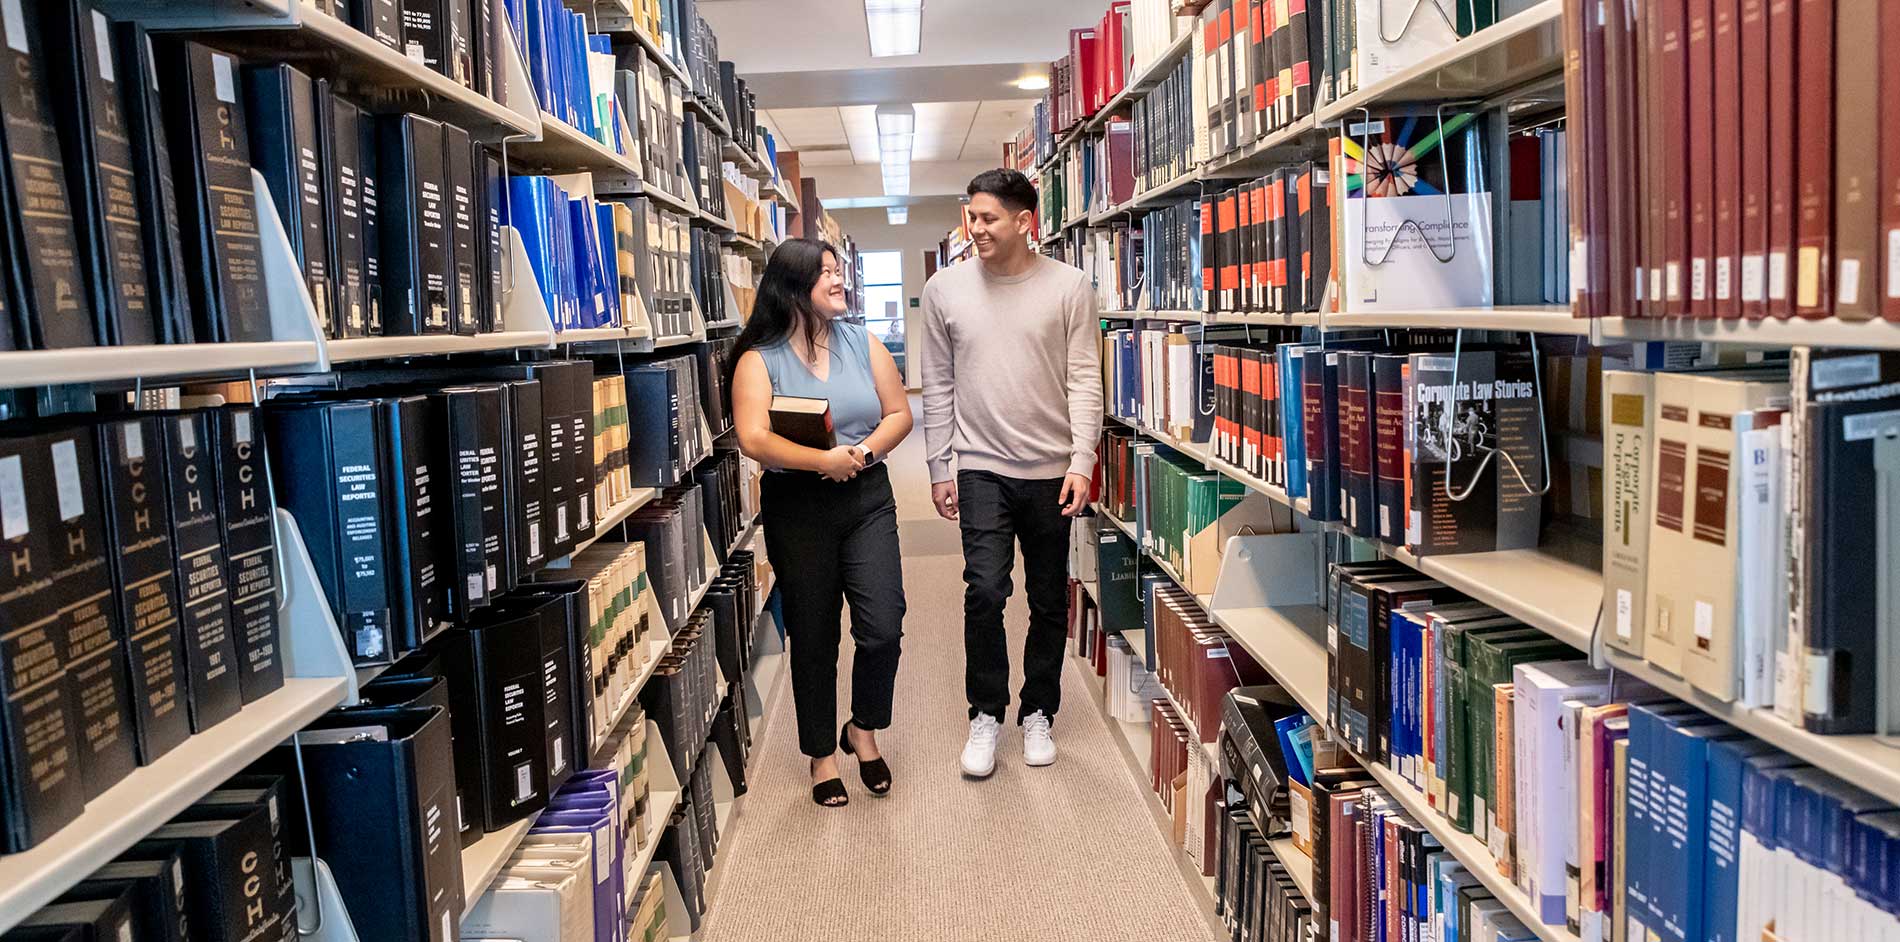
[[1269, 570], [317, 894], [293, 316], [517, 90], [522, 306], [313, 645]]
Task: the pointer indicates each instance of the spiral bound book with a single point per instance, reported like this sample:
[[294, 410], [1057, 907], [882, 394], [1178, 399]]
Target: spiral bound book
[[1417, 225]]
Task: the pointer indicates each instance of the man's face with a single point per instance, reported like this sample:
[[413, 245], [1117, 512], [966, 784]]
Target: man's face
[[995, 228]]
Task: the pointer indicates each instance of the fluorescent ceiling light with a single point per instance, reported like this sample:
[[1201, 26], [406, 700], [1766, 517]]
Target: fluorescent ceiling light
[[1033, 83], [896, 129], [896, 27], [897, 215]]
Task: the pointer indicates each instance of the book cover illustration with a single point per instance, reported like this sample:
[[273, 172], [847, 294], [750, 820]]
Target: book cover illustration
[[1480, 463], [1418, 212]]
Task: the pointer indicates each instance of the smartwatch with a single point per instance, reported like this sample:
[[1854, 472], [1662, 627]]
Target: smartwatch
[[870, 457]]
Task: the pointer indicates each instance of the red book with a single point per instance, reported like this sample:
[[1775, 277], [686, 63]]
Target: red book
[[1623, 250], [1782, 129], [1701, 164], [1669, 33], [1813, 155], [1890, 164], [1209, 257], [1725, 253], [1754, 150], [1276, 199], [1250, 391], [1085, 86], [1258, 34]]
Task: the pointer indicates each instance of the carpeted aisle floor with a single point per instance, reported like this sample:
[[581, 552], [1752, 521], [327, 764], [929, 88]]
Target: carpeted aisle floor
[[1069, 852]]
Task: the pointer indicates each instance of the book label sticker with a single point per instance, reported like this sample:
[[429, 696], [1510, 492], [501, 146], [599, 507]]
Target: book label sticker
[[72, 501], [1777, 276], [1655, 284], [1843, 371], [1859, 428], [241, 427], [134, 440], [1724, 268], [12, 499], [1623, 613], [221, 79], [1754, 278], [1807, 277], [603, 853], [1672, 280], [1704, 625], [102, 43], [1850, 281], [1893, 263], [16, 27], [1699, 279], [1814, 694]]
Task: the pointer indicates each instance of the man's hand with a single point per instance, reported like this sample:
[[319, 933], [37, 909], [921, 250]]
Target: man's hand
[[944, 495], [1075, 494]]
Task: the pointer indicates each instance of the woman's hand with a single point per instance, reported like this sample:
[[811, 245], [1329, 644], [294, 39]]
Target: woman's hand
[[841, 463]]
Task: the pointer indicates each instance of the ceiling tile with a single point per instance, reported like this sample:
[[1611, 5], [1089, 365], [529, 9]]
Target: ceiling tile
[[941, 127], [808, 127], [860, 131]]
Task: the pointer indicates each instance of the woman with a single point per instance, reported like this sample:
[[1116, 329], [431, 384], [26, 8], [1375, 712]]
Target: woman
[[830, 521]]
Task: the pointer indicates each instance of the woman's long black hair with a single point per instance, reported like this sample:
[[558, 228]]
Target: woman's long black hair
[[784, 300]]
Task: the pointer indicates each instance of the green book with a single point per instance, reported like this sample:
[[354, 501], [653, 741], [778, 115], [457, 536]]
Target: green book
[[1490, 661]]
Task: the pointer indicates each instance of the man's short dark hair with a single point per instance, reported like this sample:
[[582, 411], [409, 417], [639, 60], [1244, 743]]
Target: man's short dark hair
[[1010, 188]]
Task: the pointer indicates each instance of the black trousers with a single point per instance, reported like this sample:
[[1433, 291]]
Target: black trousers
[[996, 512], [831, 543]]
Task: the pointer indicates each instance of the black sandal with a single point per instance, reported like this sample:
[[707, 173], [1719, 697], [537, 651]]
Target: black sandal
[[876, 773], [830, 793]]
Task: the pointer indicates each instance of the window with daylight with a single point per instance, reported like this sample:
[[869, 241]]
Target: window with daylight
[[884, 300]]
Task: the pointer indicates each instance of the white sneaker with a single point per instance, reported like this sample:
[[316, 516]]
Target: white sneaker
[[1039, 748], [979, 753]]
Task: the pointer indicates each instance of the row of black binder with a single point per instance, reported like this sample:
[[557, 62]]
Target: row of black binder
[[664, 401], [423, 495], [219, 870], [140, 597]]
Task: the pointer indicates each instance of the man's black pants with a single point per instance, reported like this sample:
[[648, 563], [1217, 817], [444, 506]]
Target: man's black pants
[[996, 512]]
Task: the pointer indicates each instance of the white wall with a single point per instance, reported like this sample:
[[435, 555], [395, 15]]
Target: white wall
[[929, 221]]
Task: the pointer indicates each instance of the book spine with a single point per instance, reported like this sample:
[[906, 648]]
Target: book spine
[[250, 541], [143, 567], [56, 309], [1889, 149], [1753, 102], [1783, 134], [212, 162], [1856, 195], [211, 655], [1388, 401], [1814, 156], [1725, 131], [1700, 54]]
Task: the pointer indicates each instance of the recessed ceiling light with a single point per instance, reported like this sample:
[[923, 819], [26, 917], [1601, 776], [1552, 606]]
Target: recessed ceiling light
[[1032, 83], [896, 27], [897, 215]]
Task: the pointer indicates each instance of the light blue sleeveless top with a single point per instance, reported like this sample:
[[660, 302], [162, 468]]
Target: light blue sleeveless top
[[855, 409]]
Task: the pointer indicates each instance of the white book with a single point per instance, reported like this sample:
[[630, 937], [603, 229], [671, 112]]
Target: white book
[[1546, 799], [530, 909], [1763, 571]]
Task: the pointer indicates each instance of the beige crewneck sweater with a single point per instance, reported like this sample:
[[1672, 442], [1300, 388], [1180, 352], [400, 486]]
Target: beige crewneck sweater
[[1012, 371]]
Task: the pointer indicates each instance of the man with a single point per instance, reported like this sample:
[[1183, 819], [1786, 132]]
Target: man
[[1012, 392]]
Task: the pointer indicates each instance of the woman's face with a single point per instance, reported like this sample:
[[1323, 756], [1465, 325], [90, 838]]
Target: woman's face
[[827, 296]]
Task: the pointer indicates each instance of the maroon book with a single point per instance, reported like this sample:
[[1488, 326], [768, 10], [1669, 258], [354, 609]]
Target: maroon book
[[1814, 156], [1753, 104]]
